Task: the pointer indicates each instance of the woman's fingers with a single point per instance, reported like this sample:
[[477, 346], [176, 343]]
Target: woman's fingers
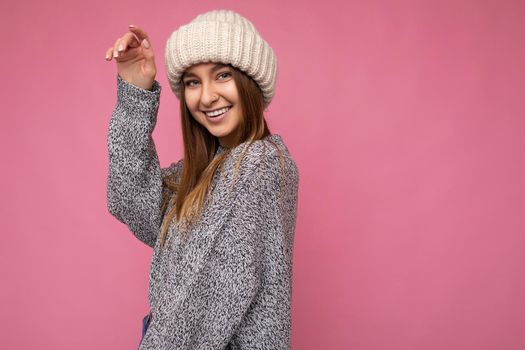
[[109, 54], [121, 45], [141, 35], [128, 40], [139, 32], [115, 48], [133, 38]]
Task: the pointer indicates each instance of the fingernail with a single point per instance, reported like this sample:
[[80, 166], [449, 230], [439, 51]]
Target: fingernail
[[115, 54], [121, 47], [146, 44], [107, 56], [131, 26]]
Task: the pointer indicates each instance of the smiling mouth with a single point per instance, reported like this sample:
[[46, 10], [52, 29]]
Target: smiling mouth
[[217, 112]]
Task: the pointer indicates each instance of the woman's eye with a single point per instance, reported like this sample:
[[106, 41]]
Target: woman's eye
[[225, 74], [190, 82]]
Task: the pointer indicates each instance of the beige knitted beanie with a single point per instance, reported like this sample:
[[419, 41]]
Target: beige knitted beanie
[[221, 36]]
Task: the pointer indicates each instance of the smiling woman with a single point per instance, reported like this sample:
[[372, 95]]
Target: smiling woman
[[221, 221], [212, 98], [205, 87]]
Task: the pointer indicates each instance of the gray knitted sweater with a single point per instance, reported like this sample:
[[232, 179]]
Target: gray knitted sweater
[[229, 286]]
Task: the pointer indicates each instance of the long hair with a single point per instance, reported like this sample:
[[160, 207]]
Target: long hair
[[189, 190]]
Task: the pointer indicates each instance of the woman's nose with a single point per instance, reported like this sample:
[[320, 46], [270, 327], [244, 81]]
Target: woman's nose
[[209, 95]]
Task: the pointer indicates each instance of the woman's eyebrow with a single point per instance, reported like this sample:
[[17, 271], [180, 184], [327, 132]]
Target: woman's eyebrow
[[215, 68]]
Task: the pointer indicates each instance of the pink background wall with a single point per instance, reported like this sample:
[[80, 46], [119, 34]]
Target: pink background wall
[[406, 119]]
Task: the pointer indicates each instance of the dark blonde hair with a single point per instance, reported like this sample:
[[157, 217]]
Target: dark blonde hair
[[188, 190]]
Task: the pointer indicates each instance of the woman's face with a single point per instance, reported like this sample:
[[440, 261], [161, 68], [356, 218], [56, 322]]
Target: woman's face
[[213, 100]]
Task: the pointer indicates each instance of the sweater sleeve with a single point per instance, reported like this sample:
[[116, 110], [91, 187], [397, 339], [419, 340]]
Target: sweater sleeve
[[134, 188], [266, 323], [241, 298]]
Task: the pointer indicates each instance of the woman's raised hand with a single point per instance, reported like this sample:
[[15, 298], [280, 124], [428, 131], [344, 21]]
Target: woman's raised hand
[[135, 59]]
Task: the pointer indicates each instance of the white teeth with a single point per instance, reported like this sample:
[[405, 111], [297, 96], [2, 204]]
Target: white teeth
[[218, 112]]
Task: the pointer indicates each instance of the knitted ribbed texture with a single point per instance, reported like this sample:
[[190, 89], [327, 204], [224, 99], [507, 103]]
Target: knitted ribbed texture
[[221, 36]]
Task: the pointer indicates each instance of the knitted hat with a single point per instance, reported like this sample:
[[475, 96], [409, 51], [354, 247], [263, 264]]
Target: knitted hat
[[226, 37]]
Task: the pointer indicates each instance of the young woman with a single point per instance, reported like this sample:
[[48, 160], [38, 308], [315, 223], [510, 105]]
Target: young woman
[[221, 220]]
